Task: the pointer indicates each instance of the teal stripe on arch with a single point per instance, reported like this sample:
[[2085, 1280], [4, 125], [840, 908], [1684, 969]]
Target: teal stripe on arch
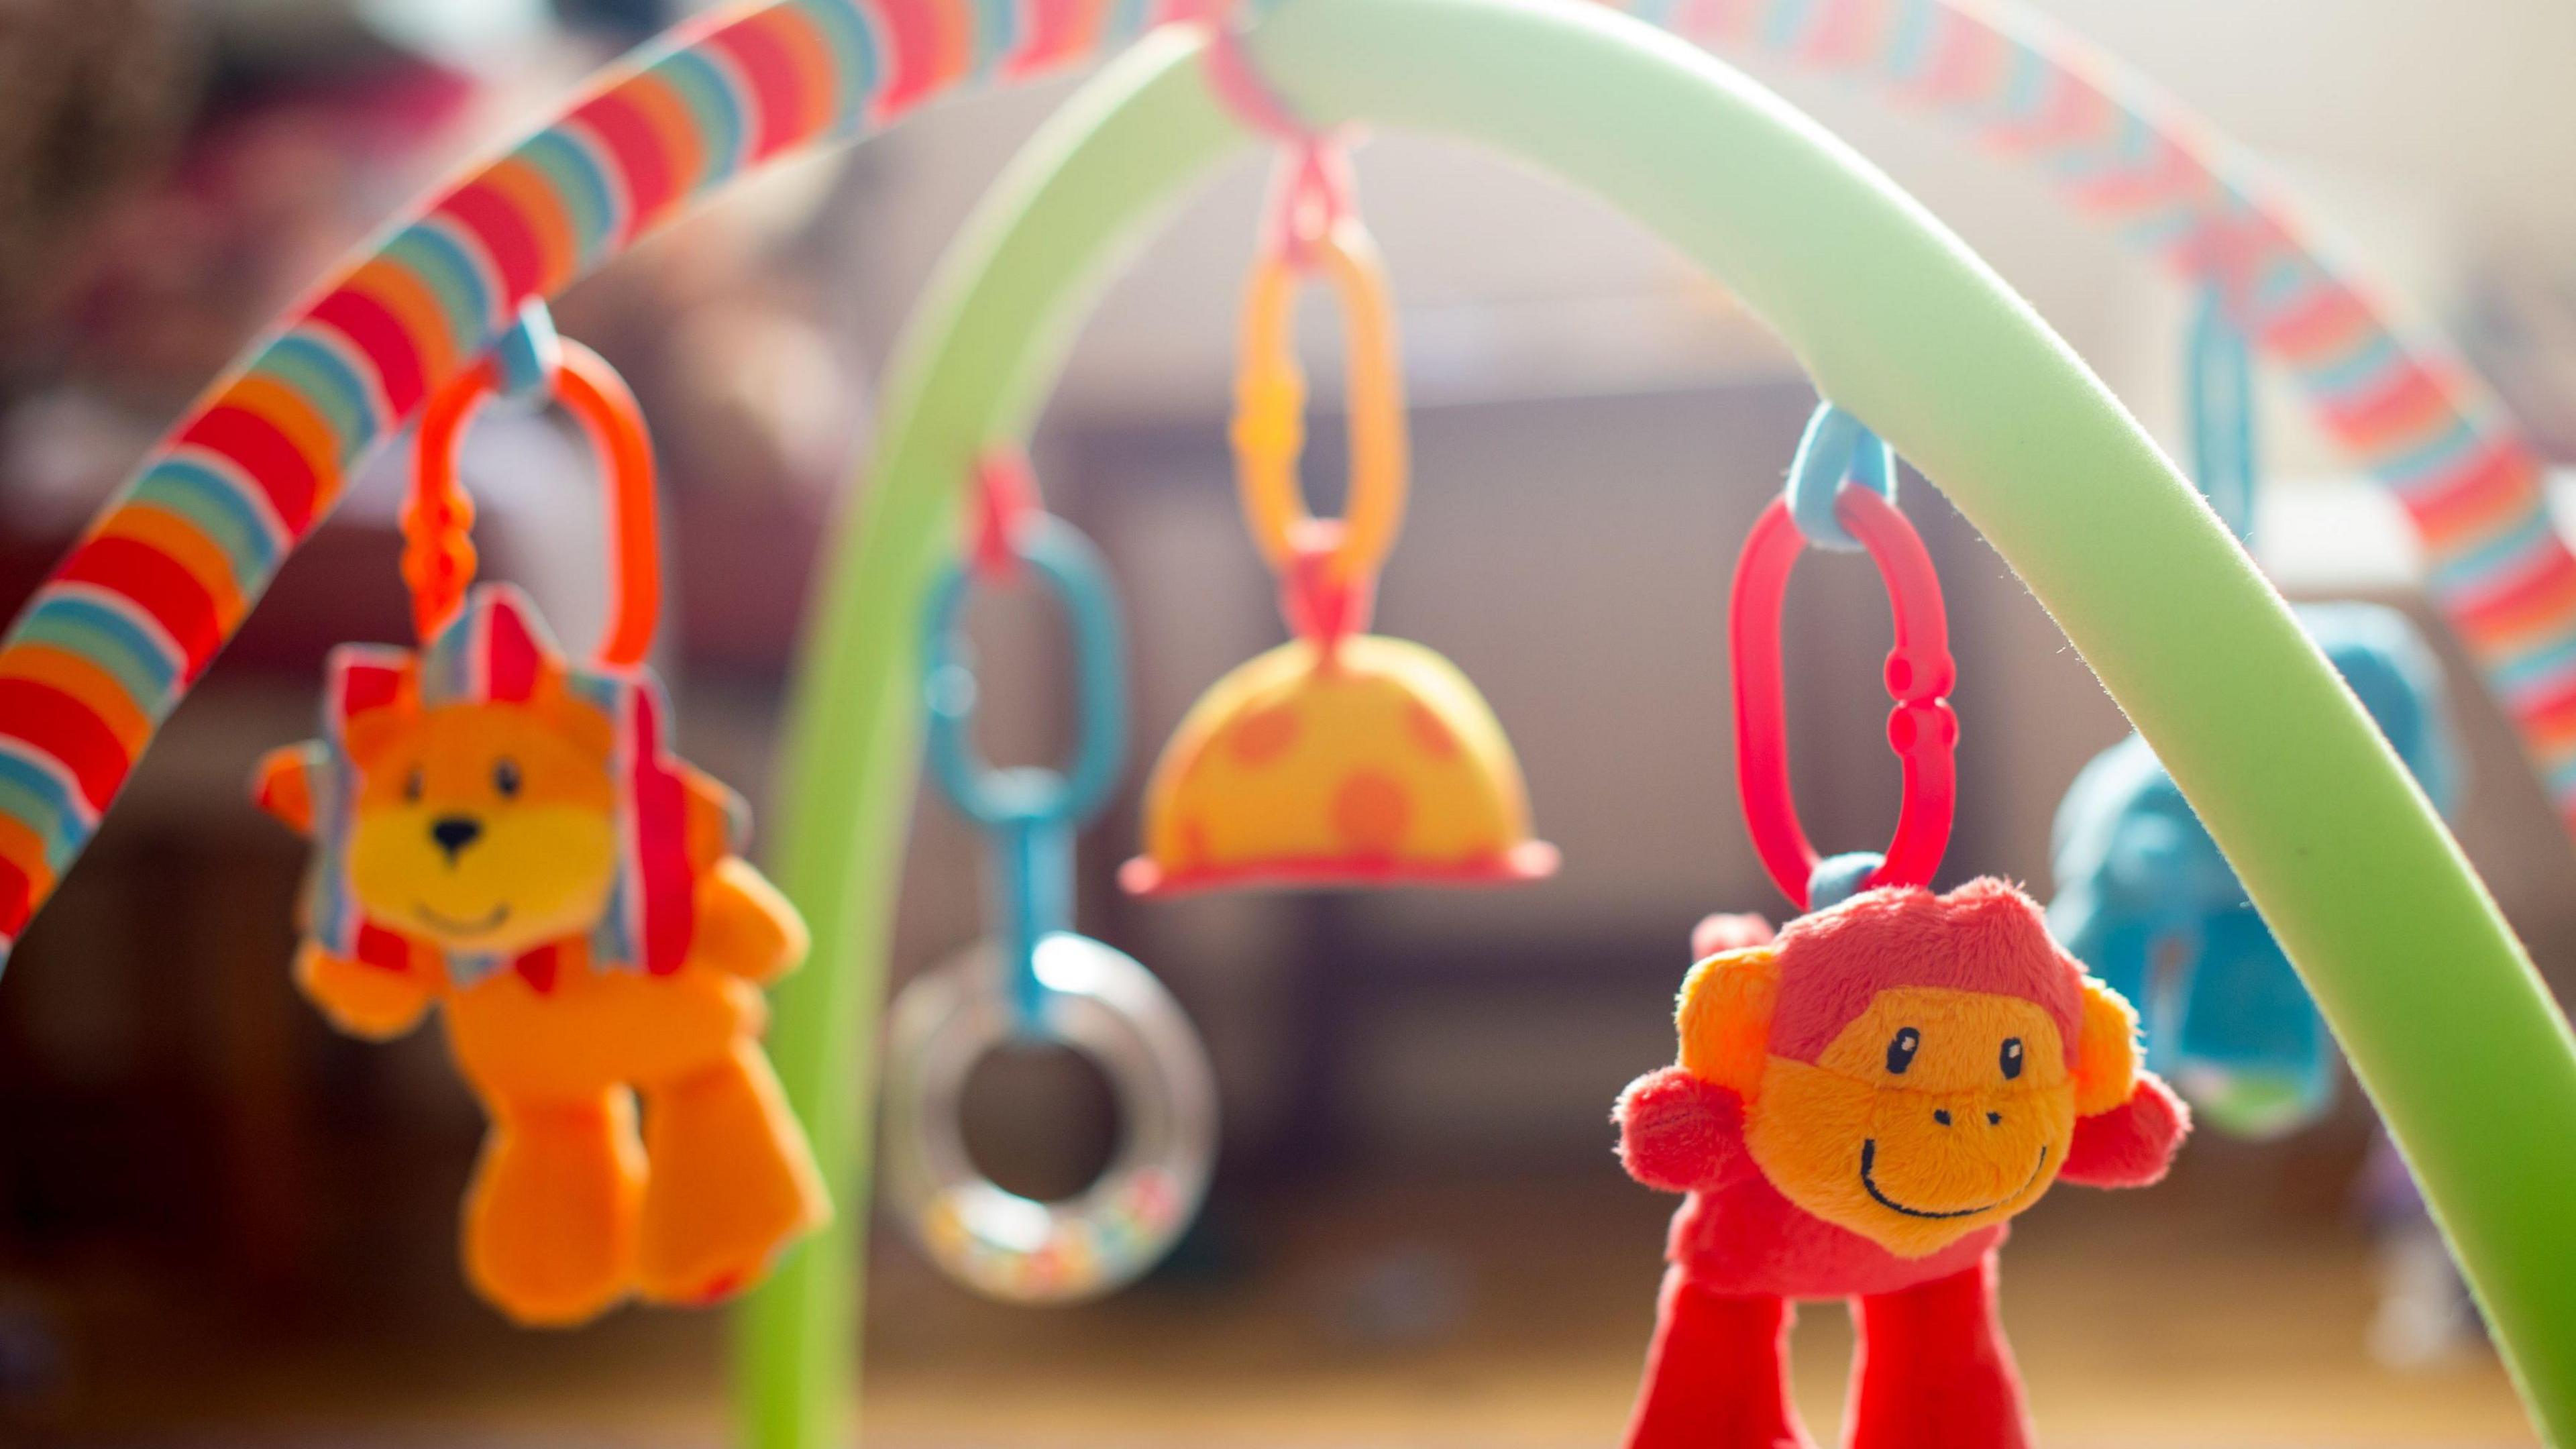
[[715, 102], [323, 377], [582, 189], [208, 500], [2341, 377], [109, 640], [1909, 42], [1129, 18], [2561, 778], [997, 34], [856, 69], [2410, 470], [464, 293], [2530, 535], [1784, 22], [42, 803], [2531, 674], [2128, 143]]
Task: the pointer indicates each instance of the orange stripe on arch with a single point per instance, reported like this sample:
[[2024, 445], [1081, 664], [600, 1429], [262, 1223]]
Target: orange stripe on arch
[[541, 206], [810, 49], [676, 126], [185, 544], [1060, 30], [311, 435], [84, 681], [398, 290], [21, 847]]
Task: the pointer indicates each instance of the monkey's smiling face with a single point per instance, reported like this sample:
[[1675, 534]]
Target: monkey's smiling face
[[1933, 1113]]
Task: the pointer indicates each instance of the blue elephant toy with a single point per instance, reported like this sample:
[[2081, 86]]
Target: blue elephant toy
[[2145, 899]]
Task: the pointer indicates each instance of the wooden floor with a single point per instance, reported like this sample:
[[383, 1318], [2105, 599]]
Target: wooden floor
[[1508, 1316]]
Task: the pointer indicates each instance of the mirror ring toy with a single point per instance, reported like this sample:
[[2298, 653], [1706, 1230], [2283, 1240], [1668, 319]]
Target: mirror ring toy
[[1036, 980]]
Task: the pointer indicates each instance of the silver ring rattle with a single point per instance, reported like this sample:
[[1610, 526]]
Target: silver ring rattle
[[1036, 979], [1100, 1002]]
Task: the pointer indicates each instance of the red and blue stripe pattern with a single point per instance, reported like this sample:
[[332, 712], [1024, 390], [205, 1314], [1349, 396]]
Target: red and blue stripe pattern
[[131, 618], [2408, 411], [497, 652]]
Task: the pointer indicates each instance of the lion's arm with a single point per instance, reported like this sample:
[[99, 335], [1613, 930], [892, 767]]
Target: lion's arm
[[363, 999], [745, 927]]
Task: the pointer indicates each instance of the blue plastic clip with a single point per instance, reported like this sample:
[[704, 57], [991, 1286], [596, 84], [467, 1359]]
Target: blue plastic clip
[[2218, 398], [527, 355], [1836, 451], [1030, 813]]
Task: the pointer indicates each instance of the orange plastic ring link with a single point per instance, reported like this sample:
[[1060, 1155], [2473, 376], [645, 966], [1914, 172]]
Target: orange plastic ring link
[[1329, 565], [438, 550]]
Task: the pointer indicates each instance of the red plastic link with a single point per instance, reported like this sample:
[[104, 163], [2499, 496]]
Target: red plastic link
[[1921, 728], [1006, 494], [1317, 607], [1314, 189]]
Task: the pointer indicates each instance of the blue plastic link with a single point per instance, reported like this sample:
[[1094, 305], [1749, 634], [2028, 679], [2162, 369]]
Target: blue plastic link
[[527, 355], [1836, 451], [1030, 813], [2218, 397]]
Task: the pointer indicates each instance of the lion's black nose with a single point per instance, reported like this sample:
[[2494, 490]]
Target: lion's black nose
[[455, 832]]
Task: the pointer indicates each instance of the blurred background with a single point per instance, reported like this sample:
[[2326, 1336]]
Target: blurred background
[[222, 1224]]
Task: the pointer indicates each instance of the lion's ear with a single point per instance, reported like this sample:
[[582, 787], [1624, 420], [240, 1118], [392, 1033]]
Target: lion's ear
[[282, 783], [1725, 1016], [2106, 1051]]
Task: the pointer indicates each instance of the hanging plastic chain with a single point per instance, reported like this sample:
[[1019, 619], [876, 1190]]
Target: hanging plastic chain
[[1035, 979], [1821, 507], [531, 361], [1327, 567], [505, 836], [1342, 757]]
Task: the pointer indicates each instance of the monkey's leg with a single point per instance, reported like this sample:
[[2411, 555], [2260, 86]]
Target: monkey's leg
[[1717, 1373], [1931, 1369]]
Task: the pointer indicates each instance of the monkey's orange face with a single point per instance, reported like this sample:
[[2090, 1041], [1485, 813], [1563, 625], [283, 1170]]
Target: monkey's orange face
[[1933, 1113]]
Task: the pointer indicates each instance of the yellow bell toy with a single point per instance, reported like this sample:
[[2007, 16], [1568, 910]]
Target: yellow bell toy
[[1340, 758]]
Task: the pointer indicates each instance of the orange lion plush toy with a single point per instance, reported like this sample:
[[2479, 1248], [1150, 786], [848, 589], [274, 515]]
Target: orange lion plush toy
[[1861, 1106], [508, 837]]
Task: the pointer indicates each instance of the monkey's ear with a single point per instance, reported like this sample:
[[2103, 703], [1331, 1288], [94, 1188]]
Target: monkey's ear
[[2106, 1051], [1725, 1017]]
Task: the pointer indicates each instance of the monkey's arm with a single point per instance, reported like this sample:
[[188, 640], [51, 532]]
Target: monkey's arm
[[2132, 1144], [1678, 1132]]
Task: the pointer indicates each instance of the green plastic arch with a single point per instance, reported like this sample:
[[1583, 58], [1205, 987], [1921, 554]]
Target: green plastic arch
[[2436, 1004]]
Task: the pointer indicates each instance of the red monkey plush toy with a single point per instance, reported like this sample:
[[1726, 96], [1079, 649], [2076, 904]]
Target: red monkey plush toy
[[1859, 1106]]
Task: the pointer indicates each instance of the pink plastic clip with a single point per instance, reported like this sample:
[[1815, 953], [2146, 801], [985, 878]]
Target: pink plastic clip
[[1921, 728], [1313, 193], [1006, 493]]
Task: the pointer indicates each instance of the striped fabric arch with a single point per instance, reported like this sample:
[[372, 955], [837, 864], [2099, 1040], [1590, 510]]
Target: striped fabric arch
[[2407, 410], [133, 615]]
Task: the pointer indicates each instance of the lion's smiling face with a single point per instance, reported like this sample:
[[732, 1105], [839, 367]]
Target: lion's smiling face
[[484, 827]]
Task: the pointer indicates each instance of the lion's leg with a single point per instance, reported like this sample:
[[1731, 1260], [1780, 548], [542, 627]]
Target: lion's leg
[[550, 1222], [732, 1180]]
